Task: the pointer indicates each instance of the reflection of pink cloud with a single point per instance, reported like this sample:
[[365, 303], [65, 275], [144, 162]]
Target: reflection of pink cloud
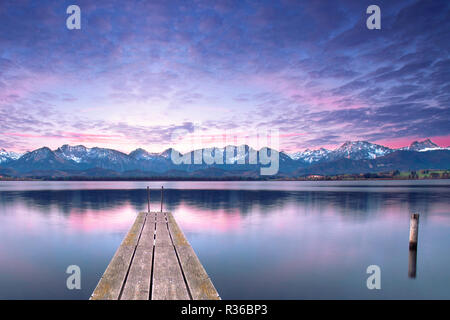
[[19, 263], [440, 219], [113, 219], [218, 220]]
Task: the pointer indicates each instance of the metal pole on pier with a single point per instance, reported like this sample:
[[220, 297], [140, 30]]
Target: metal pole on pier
[[148, 199], [162, 197]]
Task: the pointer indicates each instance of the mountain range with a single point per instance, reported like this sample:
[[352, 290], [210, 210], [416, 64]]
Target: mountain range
[[351, 157]]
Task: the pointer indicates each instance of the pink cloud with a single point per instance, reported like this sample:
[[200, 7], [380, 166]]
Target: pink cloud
[[442, 141]]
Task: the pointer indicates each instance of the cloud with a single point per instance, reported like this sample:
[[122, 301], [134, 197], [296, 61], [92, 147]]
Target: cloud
[[140, 70]]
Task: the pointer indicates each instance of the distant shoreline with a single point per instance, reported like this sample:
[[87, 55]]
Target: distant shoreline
[[214, 180], [424, 174]]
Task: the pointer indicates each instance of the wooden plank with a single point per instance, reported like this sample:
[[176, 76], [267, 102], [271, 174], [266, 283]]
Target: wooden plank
[[148, 232], [162, 235], [151, 216], [133, 235], [178, 237], [168, 282], [137, 286], [111, 282], [161, 217], [199, 283]]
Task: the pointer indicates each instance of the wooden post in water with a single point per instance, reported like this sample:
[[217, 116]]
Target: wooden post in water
[[413, 237], [413, 230], [148, 199], [412, 263], [162, 197]]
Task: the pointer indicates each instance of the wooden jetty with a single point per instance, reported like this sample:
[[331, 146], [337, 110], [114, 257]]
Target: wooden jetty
[[155, 262]]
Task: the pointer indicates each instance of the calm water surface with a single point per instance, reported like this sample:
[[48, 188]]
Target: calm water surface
[[257, 240]]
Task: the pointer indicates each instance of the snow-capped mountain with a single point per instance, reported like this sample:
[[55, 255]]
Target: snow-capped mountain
[[354, 150], [94, 157], [141, 154], [311, 156], [42, 159], [76, 153], [423, 146], [6, 156], [359, 150], [82, 154], [71, 160], [167, 154], [147, 161]]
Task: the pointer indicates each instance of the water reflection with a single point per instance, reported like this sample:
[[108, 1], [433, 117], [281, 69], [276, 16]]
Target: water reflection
[[293, 242], [350, 205]]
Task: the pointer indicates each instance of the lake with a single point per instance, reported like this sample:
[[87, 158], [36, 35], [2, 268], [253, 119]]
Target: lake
[[256, 240]]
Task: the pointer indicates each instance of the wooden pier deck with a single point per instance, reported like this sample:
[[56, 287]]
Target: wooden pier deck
[[155, 262]]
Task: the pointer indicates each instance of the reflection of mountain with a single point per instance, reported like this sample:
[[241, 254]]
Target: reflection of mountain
[[80, 200], [96, 163], [350, 204]]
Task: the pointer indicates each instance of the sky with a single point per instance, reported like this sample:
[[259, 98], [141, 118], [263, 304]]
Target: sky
[[138, 73]]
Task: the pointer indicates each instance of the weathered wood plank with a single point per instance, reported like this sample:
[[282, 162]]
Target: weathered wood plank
[[161, 217], [133, 235], [111, 282], [178, 237], [137, 286], [162, 235], [148, 232], [151, 216], [198, 281], [168, 282]]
